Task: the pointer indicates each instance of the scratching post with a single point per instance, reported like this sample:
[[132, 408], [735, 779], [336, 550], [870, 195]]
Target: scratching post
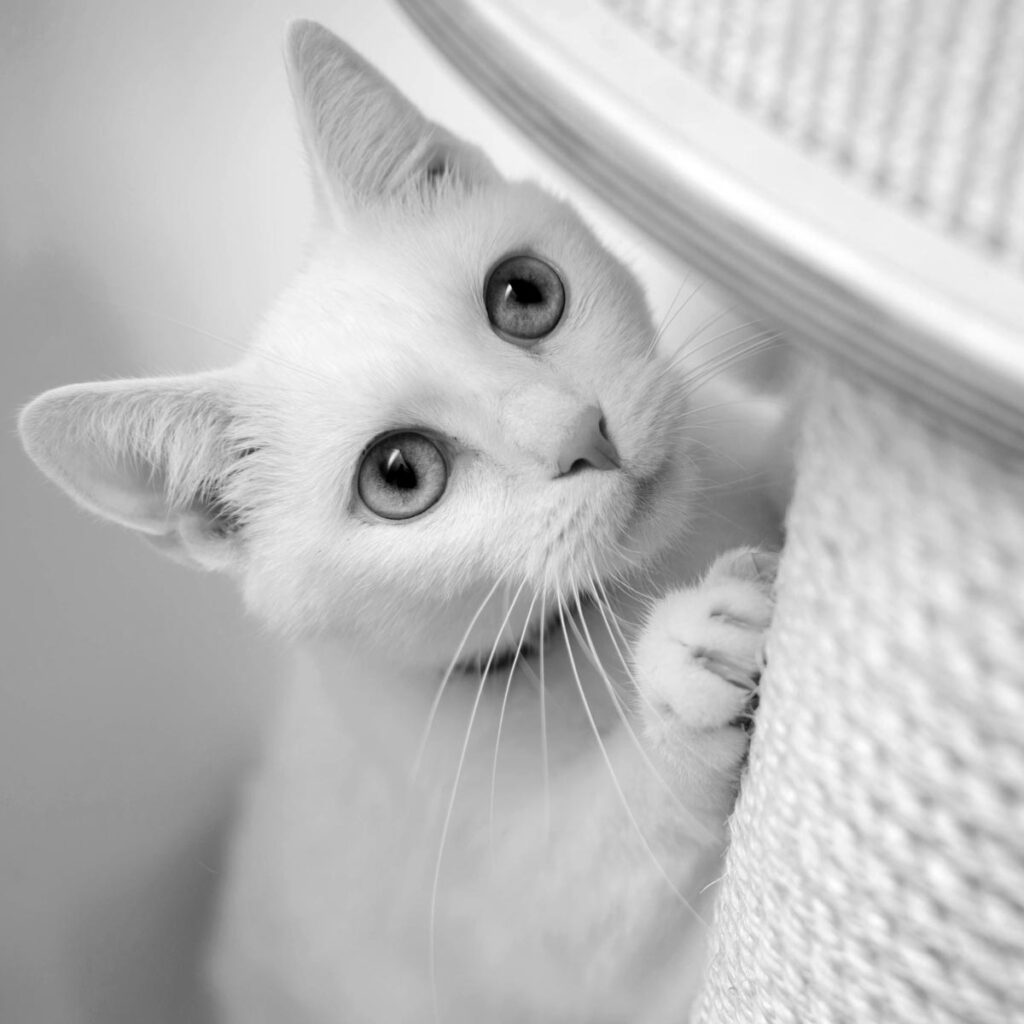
[[876, 869]]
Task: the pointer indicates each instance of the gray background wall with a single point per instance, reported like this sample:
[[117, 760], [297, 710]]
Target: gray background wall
[[152, 201]]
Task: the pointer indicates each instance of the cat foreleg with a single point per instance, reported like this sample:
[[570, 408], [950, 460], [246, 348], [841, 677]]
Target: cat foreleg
[[698, 662]]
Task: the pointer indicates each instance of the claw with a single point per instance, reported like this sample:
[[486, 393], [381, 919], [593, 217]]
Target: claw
[[727, 669], [735, 620], [749, 564], [766, 565]]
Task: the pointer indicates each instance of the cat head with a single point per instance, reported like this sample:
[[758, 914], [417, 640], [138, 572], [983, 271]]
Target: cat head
[[456, 397]]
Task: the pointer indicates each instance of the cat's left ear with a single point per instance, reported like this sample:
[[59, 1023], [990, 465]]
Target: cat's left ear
[[156, 455], [366, 142]]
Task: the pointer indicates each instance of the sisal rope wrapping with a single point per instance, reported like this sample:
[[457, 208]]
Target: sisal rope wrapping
[[877, 865]]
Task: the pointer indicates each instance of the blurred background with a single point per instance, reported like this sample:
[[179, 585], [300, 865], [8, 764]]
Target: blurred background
[[153, 202]]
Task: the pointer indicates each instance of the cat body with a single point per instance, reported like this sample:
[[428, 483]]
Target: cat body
[[452, 454], [550, 874], [548, 907]]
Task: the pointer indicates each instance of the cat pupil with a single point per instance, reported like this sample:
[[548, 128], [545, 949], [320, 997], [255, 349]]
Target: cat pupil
[[523, 292], [397, 472]]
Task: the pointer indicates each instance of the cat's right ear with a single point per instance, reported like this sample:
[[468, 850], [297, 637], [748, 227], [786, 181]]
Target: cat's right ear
[[366, 142], [158, 456]]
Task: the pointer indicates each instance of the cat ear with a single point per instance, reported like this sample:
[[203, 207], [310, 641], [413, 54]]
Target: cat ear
[[154, 455], [365, 140]]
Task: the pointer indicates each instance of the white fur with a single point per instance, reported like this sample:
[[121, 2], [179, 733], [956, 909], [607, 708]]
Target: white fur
[[374, 878]]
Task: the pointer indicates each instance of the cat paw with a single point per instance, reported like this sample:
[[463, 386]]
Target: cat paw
[[700, 656]]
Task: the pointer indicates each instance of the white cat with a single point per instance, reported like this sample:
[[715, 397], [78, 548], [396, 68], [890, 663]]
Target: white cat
[[451, 445]]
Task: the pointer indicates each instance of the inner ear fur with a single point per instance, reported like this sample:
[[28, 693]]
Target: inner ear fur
[[156, 455], [366, 141]]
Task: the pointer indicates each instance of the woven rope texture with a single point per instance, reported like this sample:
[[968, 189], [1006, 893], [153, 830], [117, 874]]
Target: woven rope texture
[[919, 101], [877, 865]]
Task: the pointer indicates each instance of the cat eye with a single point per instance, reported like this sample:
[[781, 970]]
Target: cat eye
[[524, 297], [402, 475]]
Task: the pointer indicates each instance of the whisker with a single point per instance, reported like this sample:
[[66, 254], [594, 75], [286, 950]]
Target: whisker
[[713, 882], [608, 615], [686, 349], [611, 633], [669, 318], [501, 714], [595, 660], [629, 671], [740, 350], [635, 557], [747, 483], [612, 774], [758, 331], [745, 402], [709, 510], [694, 382], [689, 438], [623, 583], [432, 714], [747, 346], [454, 793], [232, 343], [668, 311], [684, 346], [545, 761]]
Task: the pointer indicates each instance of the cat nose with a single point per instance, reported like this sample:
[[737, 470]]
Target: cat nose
[[587, 445]]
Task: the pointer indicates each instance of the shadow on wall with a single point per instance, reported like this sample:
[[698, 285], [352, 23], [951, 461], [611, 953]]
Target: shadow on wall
[[130, 691]]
